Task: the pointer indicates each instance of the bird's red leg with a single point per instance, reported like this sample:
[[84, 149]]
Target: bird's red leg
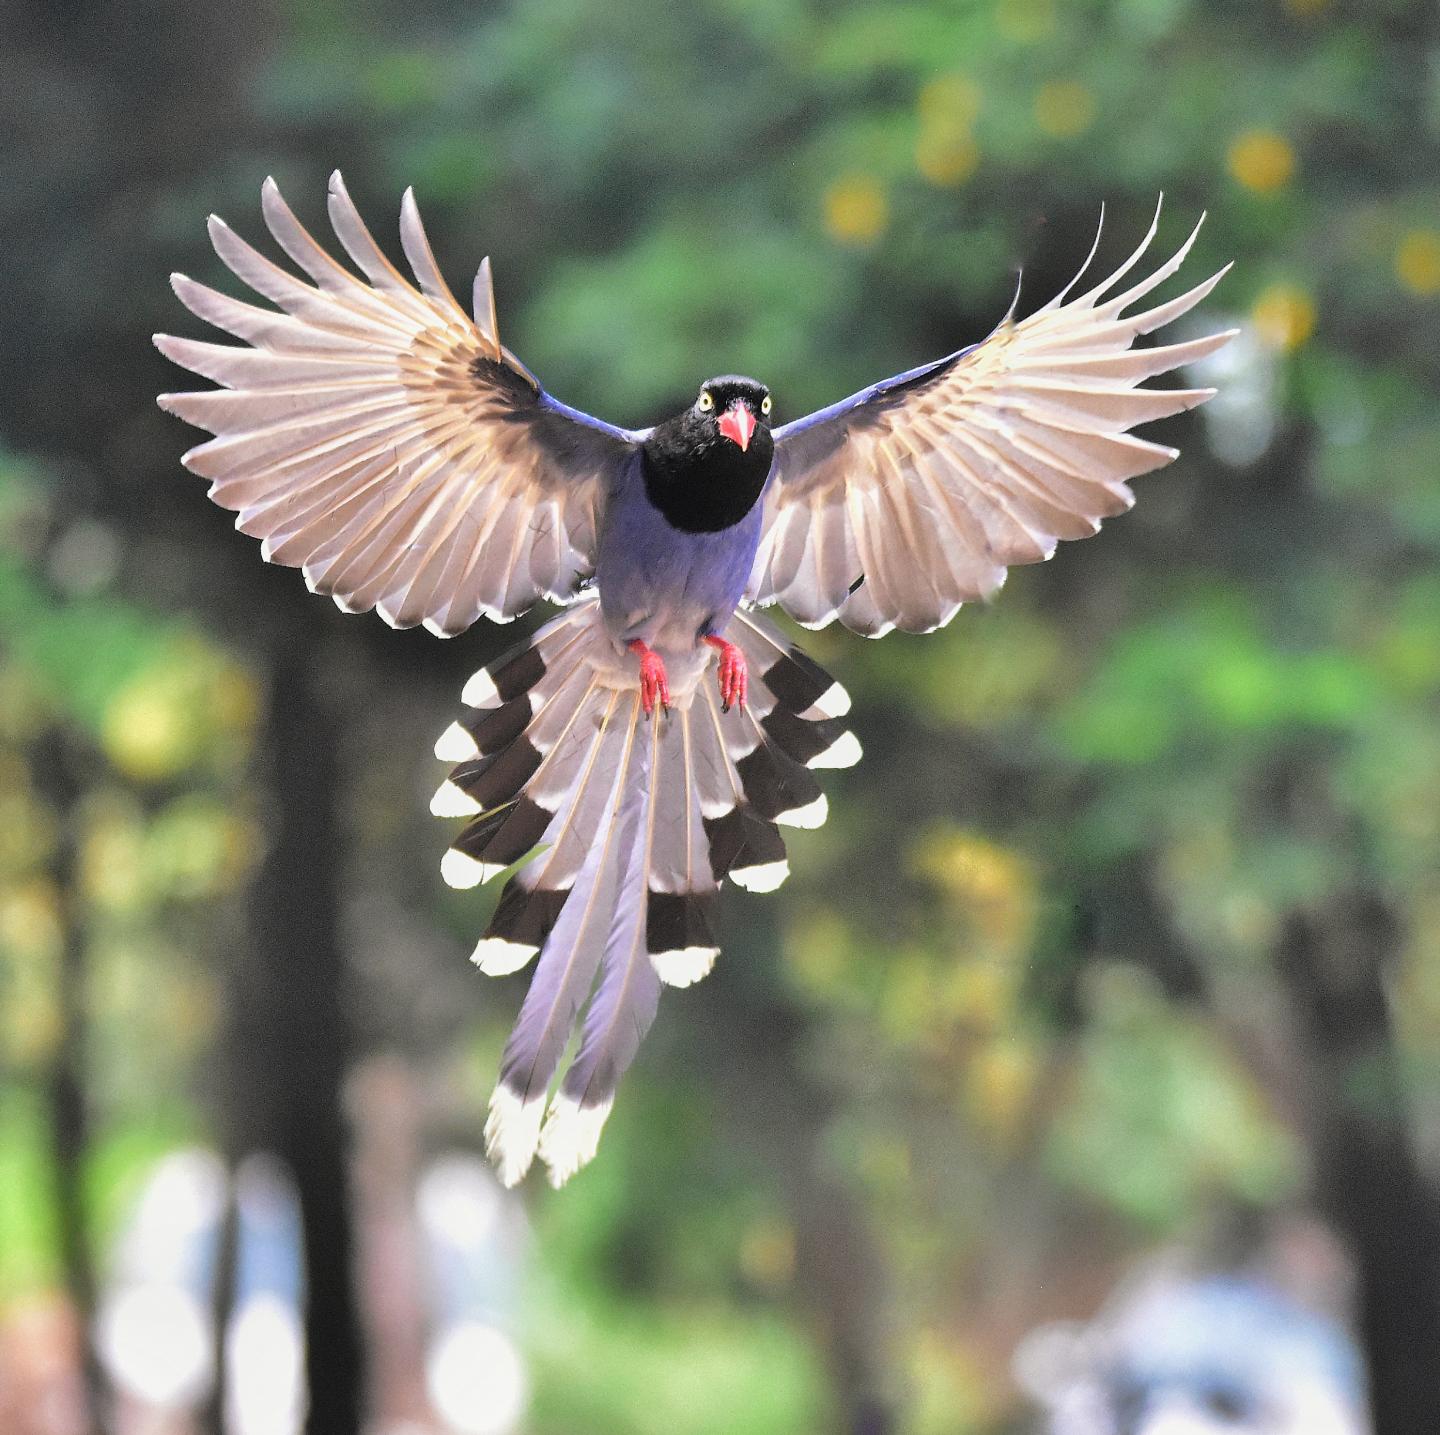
[[653, 682], [734, 675]]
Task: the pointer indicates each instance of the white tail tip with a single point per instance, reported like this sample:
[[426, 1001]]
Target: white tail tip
[[480, 691], [451, 800], [684, 966], [455, 745], [497, 957], [571, 1136], [512, 1133], [845, 751], [764, 878], [832, 703], [813, 814], [464, 872]]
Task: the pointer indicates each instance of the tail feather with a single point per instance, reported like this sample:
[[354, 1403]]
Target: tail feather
[[633, 824], [744, 846], [517, 712], [680, 934], [777, 786], [679, 859], [628, 994], [795, 681], [716, 783], [522, 667], [518, 928], [558, 989], [576, 788], [516, 786], [500, 838], [573, 783]]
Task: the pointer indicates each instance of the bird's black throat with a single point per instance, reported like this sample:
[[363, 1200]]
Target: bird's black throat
[[699, 480]]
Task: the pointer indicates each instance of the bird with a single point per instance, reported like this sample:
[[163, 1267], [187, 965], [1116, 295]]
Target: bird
[[650, 739]]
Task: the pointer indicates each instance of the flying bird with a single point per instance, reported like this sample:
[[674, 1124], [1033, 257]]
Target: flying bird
[[651, 739]]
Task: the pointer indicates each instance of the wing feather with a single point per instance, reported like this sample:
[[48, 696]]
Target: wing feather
[[372, 434], [894, 507]]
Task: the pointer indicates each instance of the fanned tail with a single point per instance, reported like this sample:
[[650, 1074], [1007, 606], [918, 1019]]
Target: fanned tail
[[629, 825]]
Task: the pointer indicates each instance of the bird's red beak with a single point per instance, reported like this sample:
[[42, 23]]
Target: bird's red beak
[[737, 423]]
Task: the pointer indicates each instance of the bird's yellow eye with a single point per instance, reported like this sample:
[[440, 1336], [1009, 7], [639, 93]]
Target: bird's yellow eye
[[706, 402], [765, 405]]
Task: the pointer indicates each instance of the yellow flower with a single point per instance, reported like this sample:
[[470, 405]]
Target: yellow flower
[[991, 887], [971, 866], [30, 919], [1262, 160], [1000, 1080], [856, 209], [1283, 316], [113, 871], [1064, 108], [946, 159], [147, 733], [979, 993], [1417, 261], [949, 100]]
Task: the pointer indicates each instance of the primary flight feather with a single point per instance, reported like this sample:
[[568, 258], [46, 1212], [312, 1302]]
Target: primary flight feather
[[376, 436]]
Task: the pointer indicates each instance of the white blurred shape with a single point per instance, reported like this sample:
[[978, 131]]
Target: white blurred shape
[[167, 1240], [472, 1233], [1240, 420], [476, 1380], [459, 1202], [1053, 1357], [265, 1343], [84, 559], [1180, 1418], [264, 1355], [154, 1326], [155, 1342]]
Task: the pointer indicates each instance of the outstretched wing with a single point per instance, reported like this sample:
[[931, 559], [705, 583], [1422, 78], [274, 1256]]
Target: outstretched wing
[[377, 438], [893, 507]]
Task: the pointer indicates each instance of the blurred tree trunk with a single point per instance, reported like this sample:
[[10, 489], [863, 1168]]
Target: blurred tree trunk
[[1334, 963], [841, 1274], [54, 765], [290, 1035], [222, 1297]]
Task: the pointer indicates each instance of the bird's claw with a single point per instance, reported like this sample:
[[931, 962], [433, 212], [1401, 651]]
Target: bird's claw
[[654, 685], [734, 675]]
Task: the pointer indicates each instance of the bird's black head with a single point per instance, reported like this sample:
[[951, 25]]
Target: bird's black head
[[735, 407], [705, 467]]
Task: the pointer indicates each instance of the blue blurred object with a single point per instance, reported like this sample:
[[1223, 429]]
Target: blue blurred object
[[157, 1328], [1198, 1355], [472, 1234], [265, 1341], [155, 1332]]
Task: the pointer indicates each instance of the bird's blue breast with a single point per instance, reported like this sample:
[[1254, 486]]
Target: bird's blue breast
[[660, 584]]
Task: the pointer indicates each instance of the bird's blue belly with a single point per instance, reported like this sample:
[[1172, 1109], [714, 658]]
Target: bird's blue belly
[[664, 586]]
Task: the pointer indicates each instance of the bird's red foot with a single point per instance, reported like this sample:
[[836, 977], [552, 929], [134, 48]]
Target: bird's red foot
[[734, 675], [654, 685]]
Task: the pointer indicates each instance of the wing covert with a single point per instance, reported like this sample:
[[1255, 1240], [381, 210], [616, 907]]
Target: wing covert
[[897, 505], [376, 437]]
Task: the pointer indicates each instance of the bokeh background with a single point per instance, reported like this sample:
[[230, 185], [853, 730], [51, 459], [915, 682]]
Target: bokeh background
[[1116, 965]]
